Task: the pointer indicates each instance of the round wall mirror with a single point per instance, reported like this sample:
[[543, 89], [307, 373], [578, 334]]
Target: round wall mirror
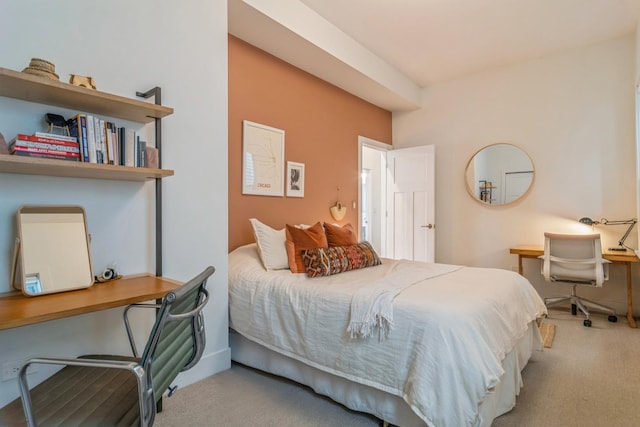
[[499, 174]]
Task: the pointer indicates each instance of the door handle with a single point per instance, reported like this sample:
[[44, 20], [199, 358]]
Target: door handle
[[429, 226]]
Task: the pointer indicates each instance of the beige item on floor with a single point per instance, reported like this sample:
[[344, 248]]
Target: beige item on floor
[[548, 332]]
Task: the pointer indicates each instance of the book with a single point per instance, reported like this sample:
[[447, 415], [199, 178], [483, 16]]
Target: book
[[71, 138], [78, 128], [44, 151], [102, 145], [116, 144], [36, 152], [45, 156], [91, 139], [33, 138], [56, 148], [111, 143], [141, 153], [97, 138], [84, 143], [129, 144], [120, 131], [108, 143]]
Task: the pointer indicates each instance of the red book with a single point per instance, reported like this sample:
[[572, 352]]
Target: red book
[[45, 146], [46, 156], [24, 151], [33, 138], [42, 140]]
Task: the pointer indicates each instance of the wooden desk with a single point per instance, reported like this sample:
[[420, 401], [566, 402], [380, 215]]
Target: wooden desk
[[626, 258], [19, 310]]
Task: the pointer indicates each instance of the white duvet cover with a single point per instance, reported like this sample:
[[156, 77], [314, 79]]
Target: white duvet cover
[[451, 330]]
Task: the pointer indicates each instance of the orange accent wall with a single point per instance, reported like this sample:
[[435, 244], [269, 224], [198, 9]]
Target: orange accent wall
[[321, 124]]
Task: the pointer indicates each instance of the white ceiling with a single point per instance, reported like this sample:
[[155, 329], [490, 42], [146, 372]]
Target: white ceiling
[[428, 41], [435, 40]]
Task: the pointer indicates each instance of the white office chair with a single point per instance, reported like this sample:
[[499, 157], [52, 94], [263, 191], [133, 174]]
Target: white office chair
[[577, 260]]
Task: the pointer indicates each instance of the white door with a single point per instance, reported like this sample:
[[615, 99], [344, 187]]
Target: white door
[[516, 184], [411, 203]]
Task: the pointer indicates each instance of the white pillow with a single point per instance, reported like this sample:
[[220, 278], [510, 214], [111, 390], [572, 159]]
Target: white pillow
[[271, 245]]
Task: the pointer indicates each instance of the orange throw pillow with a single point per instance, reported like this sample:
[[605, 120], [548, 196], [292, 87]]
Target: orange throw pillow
[[300, 239], [340, 236]]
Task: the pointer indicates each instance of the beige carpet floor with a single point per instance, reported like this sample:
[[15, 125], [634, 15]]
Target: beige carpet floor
[[590, 377]]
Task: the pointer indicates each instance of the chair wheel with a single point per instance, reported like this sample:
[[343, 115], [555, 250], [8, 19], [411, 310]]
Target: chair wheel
[[574, 309], [587, 323], [612, 318]]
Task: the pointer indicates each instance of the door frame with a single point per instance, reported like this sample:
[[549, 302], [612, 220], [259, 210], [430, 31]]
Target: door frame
[[383, 148]]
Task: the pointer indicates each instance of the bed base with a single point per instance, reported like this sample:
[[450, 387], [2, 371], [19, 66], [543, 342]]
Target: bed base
[[387, 407]]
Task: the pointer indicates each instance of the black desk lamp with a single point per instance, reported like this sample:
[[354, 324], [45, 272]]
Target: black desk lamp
[[631, 222]]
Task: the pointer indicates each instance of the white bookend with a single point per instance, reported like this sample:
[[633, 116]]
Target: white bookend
[[103, 157]]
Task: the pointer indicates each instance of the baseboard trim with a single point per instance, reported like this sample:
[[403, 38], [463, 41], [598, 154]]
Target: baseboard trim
[[209, 364]]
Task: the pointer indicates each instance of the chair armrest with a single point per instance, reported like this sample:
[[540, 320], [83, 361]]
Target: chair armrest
[[25, 394], [99, 363], [127, 326]]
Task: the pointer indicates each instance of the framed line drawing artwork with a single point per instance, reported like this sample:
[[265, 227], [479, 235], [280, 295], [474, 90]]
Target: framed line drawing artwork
[[295, 179], [262, 160]]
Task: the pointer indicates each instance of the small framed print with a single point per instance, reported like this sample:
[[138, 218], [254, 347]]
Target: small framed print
[[295, 179]]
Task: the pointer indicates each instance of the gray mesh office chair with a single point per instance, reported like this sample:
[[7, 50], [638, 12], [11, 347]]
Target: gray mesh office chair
[[576, 260], [119, 390]]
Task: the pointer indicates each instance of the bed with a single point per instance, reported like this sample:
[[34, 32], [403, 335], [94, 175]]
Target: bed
[[450, 352]]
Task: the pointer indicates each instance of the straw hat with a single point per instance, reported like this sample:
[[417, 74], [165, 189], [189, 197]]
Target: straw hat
[[40, 67]]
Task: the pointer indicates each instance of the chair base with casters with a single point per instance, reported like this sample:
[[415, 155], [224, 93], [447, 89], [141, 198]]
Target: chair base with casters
[[119, 390], [581, 303]]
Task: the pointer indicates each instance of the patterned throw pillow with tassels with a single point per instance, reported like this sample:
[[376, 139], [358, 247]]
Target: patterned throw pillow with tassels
[[338, 259]]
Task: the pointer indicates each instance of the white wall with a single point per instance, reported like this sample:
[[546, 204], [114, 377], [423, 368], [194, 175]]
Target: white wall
[[127, 47], [574, 114]]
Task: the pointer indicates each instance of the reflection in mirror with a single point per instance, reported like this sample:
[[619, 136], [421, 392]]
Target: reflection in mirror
[[499, 174], [52, 250]]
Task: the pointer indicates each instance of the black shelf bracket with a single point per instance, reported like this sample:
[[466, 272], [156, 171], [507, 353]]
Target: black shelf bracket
[[157, 93]]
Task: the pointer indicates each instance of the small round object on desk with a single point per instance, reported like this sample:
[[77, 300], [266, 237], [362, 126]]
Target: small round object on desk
[[108, 274]]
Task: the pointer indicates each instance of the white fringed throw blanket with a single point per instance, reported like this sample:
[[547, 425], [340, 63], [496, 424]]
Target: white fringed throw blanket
[[372, 305]]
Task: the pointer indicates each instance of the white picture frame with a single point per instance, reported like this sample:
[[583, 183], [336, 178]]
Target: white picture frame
[[295, 179], [262, 160]]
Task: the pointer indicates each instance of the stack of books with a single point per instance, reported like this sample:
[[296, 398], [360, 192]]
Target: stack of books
[[90, 140], [47, 145]]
